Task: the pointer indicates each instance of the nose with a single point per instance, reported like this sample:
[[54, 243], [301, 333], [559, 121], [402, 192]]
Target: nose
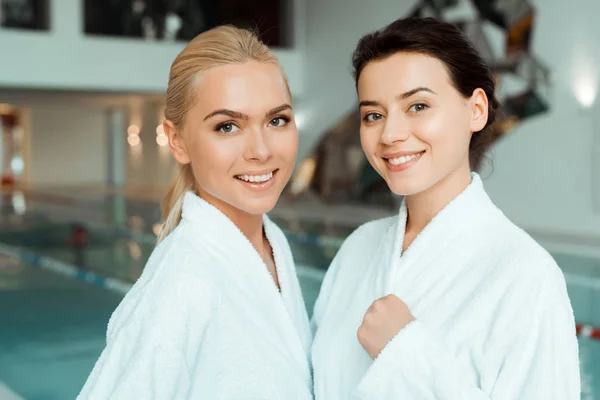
[[395, 130], [257, 148]]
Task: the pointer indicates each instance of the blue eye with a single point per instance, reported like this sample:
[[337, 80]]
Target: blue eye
[[418, 107], [372, 117], [227, 128], [279, 121]]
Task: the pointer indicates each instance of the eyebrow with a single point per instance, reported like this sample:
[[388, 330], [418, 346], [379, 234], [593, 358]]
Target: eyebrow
[[239, 115], [403, 96], [410, 93], [278, 109], [226, 112]]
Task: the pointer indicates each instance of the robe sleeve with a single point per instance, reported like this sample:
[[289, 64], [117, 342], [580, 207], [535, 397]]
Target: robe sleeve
[[537, 360], [151, 353], [325, 292], [134, 368], [346, 258]]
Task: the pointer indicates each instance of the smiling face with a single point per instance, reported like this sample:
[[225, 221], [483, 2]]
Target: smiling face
[[415, 126], [240, 137]]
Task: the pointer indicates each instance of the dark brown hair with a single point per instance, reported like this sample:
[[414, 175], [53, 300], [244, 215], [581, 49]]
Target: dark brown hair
[[444, 41]]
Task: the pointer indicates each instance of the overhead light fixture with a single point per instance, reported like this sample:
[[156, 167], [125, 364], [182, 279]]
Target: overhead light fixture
[[133, 130], [134, 140], [162, 140]]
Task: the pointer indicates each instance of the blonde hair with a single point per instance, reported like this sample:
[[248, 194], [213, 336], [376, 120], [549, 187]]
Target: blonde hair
[[220, 46]]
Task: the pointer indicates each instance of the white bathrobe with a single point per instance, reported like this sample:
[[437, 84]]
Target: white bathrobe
[[206, 321], [493, 320]]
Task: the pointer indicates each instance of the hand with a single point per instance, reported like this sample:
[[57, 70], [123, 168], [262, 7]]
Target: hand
[[383, 320]]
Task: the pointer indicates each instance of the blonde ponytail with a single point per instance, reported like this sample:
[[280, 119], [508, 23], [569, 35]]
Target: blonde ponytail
[[217, 47], [172, 204]]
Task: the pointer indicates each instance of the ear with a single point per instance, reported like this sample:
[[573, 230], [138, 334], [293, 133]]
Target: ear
[[176, 143], [479, 110]]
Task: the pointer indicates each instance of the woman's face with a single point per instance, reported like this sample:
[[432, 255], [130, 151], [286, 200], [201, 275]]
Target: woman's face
[[415, 126], [240, 137]]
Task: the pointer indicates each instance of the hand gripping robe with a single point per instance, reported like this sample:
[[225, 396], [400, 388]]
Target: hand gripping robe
[[206, 321], [493, 320]]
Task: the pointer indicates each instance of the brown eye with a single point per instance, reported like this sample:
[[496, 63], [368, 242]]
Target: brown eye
[[418, 107], [372, 117]]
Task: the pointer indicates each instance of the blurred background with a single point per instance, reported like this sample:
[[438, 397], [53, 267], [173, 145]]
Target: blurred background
[[84, 162]]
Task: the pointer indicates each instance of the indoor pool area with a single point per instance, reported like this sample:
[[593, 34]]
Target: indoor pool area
[[61, 279], [325, 115]]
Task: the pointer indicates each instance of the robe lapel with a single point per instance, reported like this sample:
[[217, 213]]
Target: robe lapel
[[443, 231], [291, 294], [246, 274]]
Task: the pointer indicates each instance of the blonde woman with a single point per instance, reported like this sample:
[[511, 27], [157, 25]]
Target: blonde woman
[[218, 312]]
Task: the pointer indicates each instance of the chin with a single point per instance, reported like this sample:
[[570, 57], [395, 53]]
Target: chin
[[408, 186], [258, 206]]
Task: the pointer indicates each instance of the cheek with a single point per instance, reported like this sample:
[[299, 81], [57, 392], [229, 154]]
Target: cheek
[[369, 139], [445, 135], [213, 157], [431, 130], [285, 145]]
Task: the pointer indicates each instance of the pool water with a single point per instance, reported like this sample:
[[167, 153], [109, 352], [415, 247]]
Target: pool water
[[52, 327], [52, 330]]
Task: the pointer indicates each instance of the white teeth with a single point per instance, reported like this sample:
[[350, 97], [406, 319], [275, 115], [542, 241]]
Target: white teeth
[[403, 159], [255, 178]]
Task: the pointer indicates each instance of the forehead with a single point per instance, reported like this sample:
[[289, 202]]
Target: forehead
[[402, 72], [251, 87]]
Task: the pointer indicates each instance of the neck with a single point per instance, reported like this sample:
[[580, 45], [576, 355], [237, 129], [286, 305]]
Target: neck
[[251, 225], [424, 206]]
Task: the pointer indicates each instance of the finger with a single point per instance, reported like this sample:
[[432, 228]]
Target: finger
[[392, 298], [372, 307]]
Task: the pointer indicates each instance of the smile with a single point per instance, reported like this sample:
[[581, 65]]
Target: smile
[[403, 159], [258, 181], [256, 178], [404, 162]]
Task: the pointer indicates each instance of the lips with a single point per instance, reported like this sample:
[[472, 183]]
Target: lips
[[399, 162], [258, 181], [256, 178]]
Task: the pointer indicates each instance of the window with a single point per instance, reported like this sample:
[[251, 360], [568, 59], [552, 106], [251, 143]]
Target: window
[[25, 14], [182, 20]]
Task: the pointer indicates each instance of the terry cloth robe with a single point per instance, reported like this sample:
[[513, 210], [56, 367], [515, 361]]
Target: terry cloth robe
[[493, 319], [206, 321]]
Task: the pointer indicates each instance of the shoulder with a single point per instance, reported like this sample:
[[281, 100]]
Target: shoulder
[[359, 248], [510, 242], [369, 235], [381, 225], [177, 265], [517, 257], [362, 244], [175, 289], [529, 285], [515, 273]]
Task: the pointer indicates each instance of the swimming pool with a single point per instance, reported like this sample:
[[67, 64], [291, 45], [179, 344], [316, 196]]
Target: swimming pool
[[53, 329], [53, 319]]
